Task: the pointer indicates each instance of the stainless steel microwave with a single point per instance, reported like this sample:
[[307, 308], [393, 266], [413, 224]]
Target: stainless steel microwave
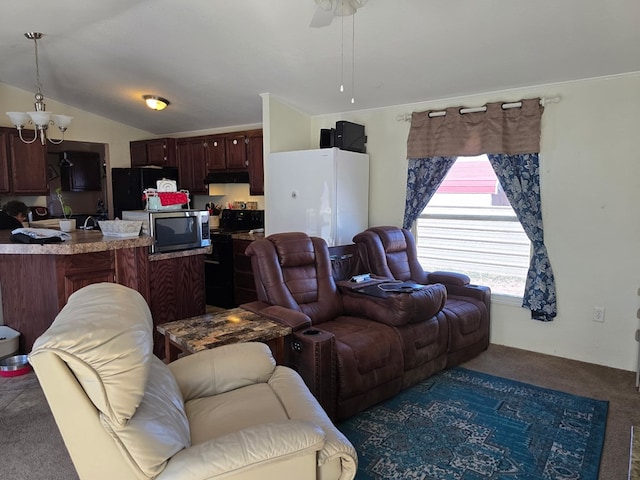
[[173, 230]]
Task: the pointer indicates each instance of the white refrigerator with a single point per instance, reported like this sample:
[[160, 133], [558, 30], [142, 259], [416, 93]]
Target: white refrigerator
[[324, 193]]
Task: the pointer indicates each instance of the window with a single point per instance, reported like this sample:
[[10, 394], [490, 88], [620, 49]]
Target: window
[[469, 227]]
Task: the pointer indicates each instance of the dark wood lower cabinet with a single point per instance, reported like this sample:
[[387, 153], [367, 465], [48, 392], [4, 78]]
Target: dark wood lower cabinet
[[36, 287], [243, 281], [176, 292]]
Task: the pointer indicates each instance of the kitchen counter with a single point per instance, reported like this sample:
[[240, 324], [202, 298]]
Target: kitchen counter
[[81, 242], [182, 253], [37, 280], [247, 236]]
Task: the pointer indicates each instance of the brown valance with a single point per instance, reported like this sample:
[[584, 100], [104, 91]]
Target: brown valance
[[496, 130]]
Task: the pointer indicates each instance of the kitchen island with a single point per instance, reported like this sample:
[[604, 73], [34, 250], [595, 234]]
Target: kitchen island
[[36, 280]]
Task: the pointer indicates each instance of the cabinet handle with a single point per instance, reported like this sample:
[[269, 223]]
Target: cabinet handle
[[215, 144], [235, 142]]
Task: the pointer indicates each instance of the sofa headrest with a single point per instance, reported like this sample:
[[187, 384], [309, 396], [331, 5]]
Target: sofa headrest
[[295, 249], [392, 239], [104, 334]]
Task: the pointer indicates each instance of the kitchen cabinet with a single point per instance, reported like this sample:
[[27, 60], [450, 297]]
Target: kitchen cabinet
[[216, 149], [176, 291], [23, 167], [4, 163], [196, 156], [236, 150], [77, 271], [83, 173], [231, 151], [256, 162], [192, 164], [35, 287], [243, 280], [159, 152]]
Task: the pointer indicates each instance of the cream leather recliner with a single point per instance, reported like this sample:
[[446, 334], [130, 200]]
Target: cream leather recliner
[[228, 412]]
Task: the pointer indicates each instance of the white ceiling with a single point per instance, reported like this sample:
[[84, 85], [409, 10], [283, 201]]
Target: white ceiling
[[212, 58]]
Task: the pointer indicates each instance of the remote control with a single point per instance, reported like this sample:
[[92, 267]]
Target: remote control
[[361, 278]]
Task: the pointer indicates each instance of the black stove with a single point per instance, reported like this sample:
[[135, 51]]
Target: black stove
[[218, 270], [237, 221]]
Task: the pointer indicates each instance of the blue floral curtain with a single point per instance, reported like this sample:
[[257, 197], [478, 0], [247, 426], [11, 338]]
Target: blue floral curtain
[[424, 176], [519, 177], [511, 139]]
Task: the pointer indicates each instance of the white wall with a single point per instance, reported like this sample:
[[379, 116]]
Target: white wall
[[590, 184]]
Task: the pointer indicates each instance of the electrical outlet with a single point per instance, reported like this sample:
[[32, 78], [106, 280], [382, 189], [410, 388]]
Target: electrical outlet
[[598, 314]]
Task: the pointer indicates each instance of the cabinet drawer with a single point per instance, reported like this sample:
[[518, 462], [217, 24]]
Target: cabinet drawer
[[89, 262]]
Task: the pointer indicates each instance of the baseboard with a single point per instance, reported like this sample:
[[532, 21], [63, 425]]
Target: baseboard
[[634, 454]]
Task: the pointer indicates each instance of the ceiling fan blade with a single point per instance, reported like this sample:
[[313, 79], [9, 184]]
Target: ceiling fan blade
[[322, 16]]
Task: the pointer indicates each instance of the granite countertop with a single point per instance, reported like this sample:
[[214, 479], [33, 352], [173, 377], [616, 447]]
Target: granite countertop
[[154, 257], [81, 242], [247, 236]]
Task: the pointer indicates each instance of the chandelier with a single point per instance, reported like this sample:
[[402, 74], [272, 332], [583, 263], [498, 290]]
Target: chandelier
[[41, 119]]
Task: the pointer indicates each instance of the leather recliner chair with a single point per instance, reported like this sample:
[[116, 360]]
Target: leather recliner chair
[[228, 412], [351, 350], [390, 252]]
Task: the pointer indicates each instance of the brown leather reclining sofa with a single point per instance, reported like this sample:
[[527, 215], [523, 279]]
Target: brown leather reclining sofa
[[354, 350], [391, 252]]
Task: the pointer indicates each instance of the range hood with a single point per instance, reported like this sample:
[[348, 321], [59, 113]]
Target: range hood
[[227, 177]]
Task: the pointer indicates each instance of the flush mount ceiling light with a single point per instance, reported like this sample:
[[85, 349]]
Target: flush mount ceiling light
[[156, 103], [40, 118]]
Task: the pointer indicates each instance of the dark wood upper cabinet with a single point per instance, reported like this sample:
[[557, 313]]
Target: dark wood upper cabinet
[[236, 152], [80, 171], [192, 166], [216, 153], [4, 163], [27, 165], [255, 159], [196, 156], [160, 152]]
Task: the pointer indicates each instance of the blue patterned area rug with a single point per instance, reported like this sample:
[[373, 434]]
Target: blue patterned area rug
[[464, 425]]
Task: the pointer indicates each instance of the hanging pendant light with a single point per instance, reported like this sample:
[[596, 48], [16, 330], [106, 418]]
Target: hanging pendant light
[[353, 58], [41, 119], [342, 52]]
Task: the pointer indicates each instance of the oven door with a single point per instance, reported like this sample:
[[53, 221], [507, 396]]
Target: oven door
[[218, 272]]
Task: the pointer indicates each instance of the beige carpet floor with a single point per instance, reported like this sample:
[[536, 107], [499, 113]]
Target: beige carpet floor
[[32, 448]]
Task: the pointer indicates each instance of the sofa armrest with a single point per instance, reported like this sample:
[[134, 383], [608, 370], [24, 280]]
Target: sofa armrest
[[448, 278], [313, 356], [398, 308], [479, 292], [221, 369], [291, 318], [248, 449]]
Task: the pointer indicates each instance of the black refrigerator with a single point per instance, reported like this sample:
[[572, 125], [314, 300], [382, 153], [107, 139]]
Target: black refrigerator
[[129, 183]]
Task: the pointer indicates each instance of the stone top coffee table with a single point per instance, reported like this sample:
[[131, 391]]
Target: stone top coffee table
[[212, 330]]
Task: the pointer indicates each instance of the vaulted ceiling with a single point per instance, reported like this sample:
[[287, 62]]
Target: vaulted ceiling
[[212, 58]]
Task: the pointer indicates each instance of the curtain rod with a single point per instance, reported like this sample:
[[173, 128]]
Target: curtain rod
[[406, 117]]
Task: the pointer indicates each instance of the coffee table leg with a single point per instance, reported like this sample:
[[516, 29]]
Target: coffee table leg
[[167, 350]]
